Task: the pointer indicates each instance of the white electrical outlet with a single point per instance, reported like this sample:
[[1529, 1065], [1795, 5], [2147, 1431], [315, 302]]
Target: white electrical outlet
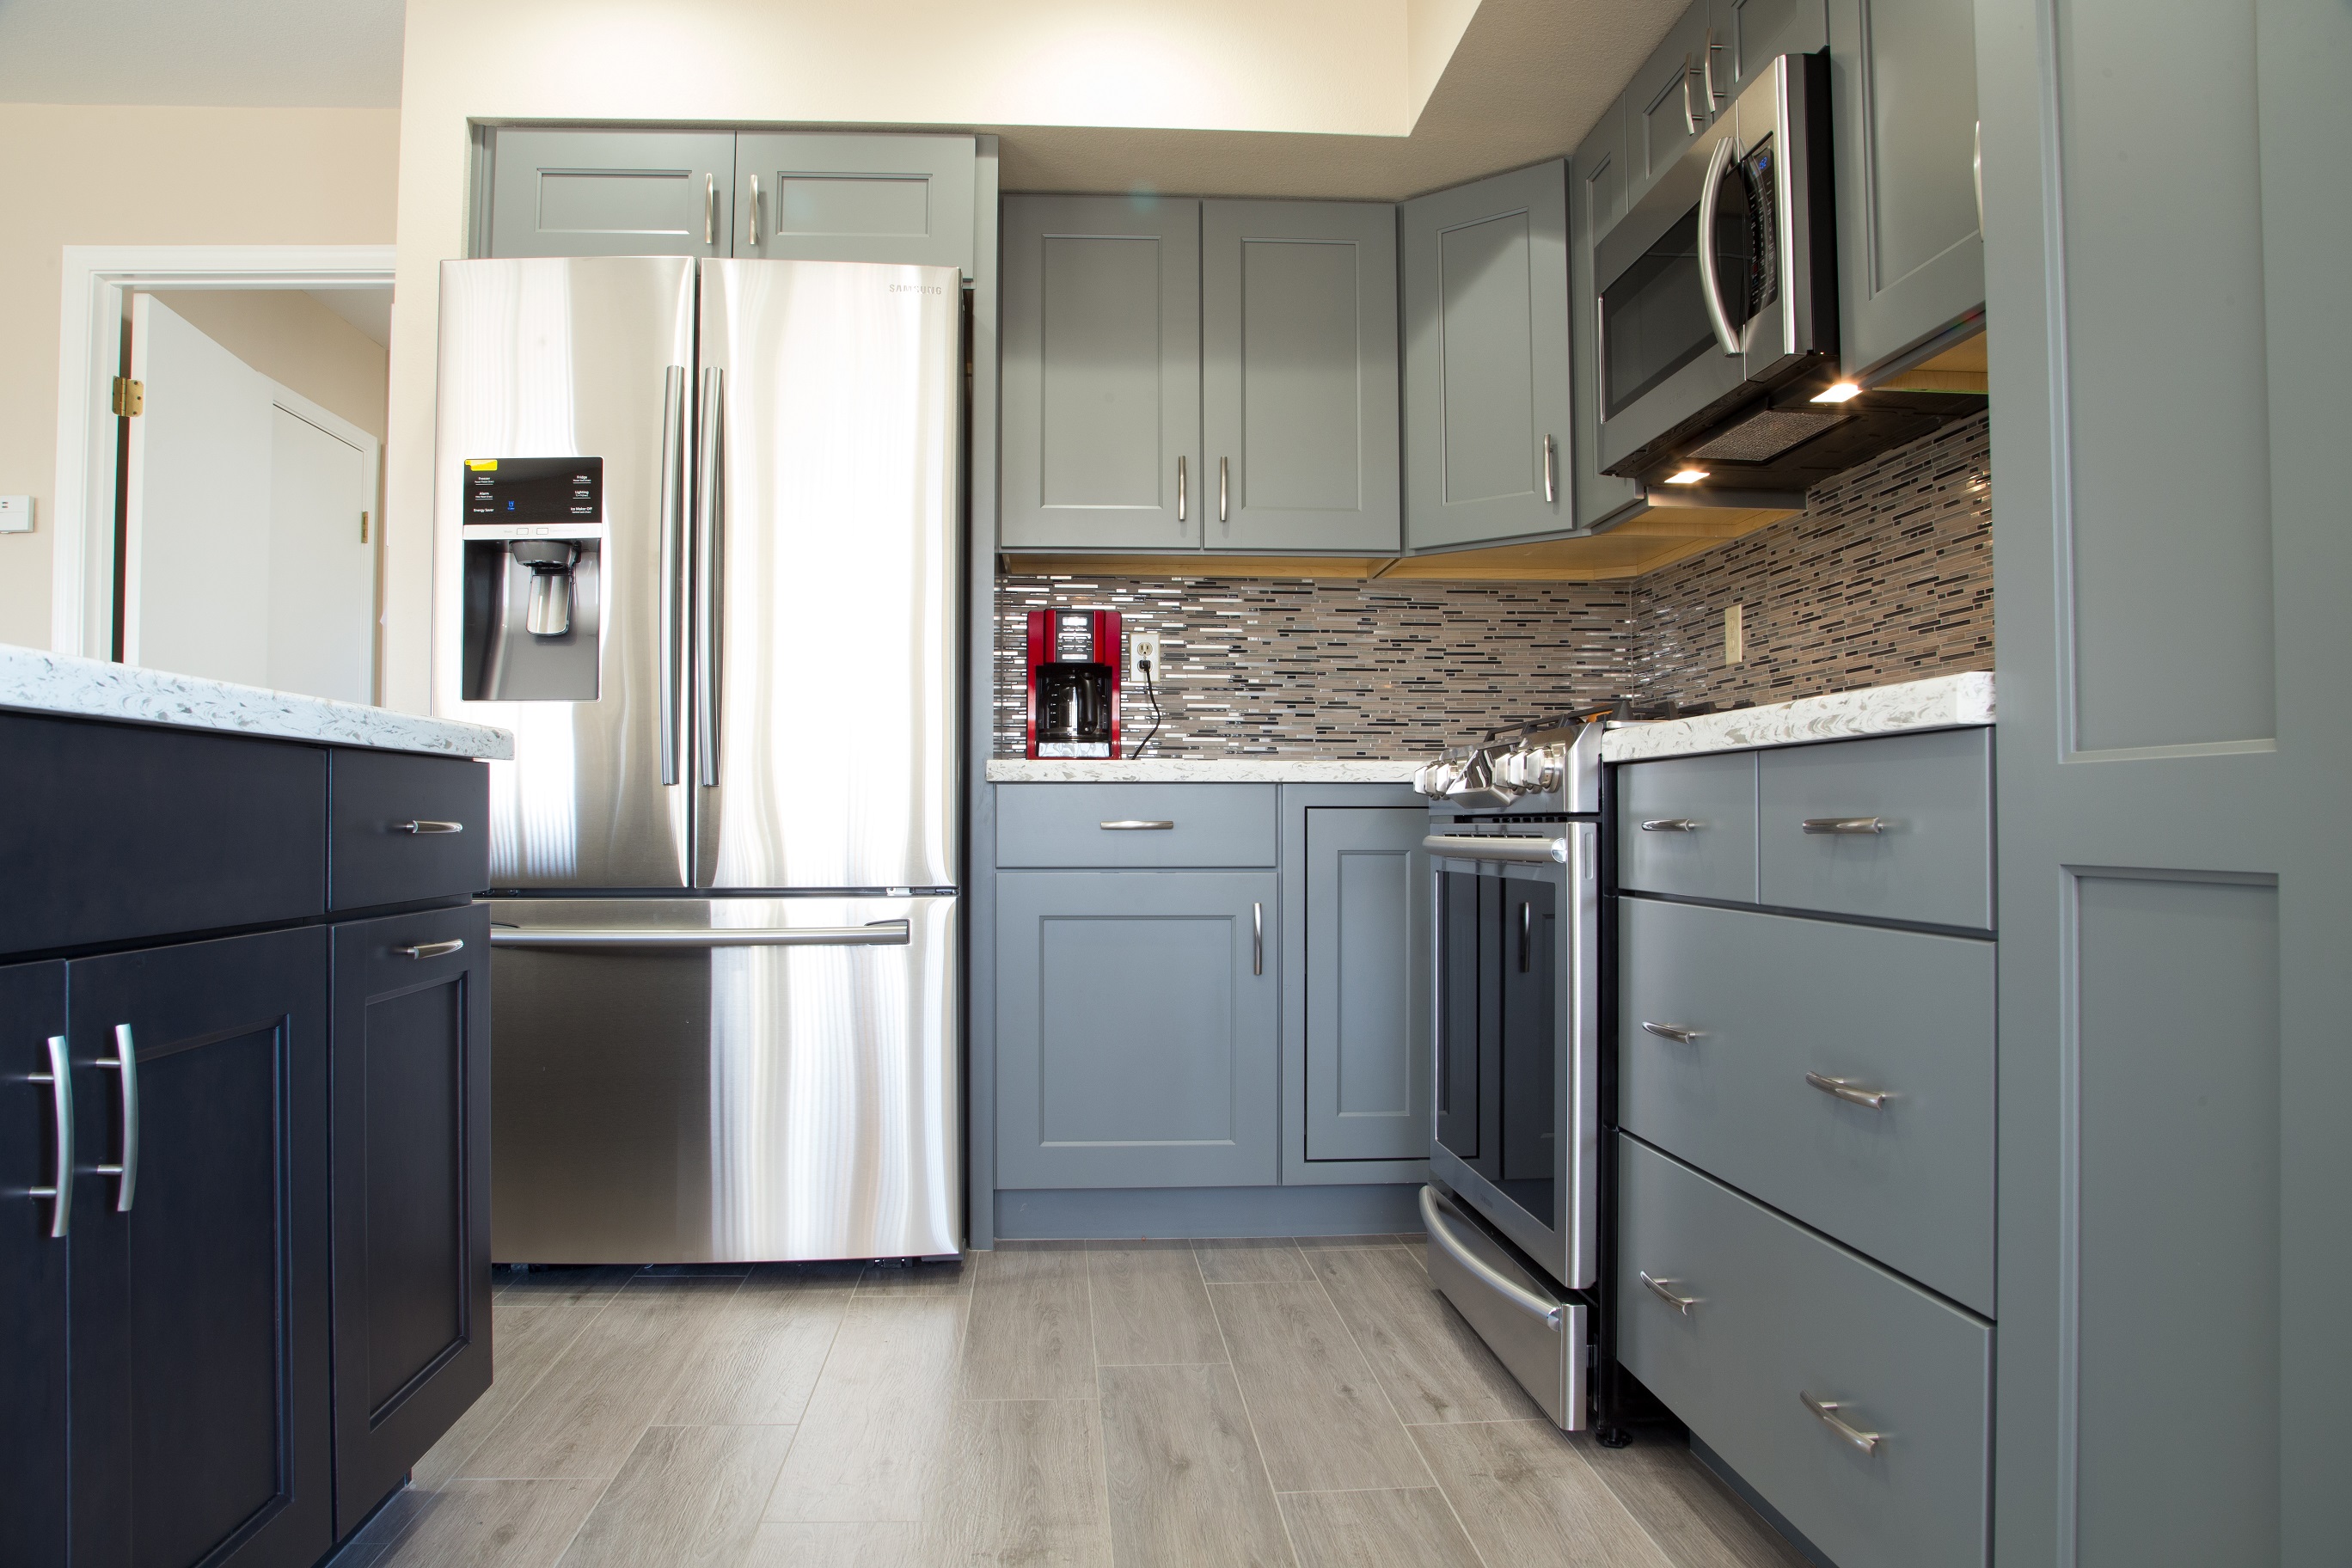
[[15, 514], [1142, 650]]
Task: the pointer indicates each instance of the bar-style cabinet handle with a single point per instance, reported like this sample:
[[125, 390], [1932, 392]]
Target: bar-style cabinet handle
[[1850, 1091], [751, 218], [1827, 1409], [1664, 1289], [1224, 469], [1551, 470], [59, 1192], [1257, 938], [710, 209], [1672, 824], [1133, 825], [1680, 1036], [126, 1063], [431, 949], [1845, 824], [1180, 488], [426, 827]]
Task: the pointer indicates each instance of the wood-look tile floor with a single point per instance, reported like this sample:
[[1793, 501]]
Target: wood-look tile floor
[[1076, 1405]]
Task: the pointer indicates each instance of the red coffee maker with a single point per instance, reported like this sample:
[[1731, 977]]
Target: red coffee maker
[[1073, 663]]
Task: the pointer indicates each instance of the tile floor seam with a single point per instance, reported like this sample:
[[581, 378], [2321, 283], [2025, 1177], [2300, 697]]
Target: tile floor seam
[[1622, 1506], [1102, 1427], [1372, 1371], [1232, 1370], [457, 1469]]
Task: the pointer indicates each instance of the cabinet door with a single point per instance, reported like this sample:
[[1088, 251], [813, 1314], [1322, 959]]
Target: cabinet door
[[818, 197], [612, 193], [412, 1190], [1367, 982], [1596, 197], [1749, 35], [1136, 1028], [1299, 376], [1903, 102], [1487, 408], [1665, 106], [32, 1270], [200, 1370], [1101, 374]]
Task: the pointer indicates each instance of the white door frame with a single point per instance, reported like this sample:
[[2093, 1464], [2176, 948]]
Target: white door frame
[[89, 348]]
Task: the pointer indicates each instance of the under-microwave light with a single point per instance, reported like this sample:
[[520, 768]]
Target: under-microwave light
[[1843, 392], [1687, 477]]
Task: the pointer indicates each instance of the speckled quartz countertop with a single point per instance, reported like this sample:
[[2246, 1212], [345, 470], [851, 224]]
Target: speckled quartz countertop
[[33, 680], [1943, 703], [1221, 770]]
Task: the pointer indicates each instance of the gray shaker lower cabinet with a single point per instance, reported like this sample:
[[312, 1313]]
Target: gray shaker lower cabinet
[[1136, 1020]]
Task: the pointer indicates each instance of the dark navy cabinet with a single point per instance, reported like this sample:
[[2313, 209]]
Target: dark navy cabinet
[[33, 1299]]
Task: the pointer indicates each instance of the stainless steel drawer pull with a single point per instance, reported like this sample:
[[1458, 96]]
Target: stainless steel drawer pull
[[1551, 471], [1133, 825], [1827, 1409], [1441, 1231], [1257, 938], [1845, 825], [881, 933], [422, 826], [431, 949], [1663, 1290], [126, 1063], [59, 1192], [1672, 824], [1849, 1091], [1680, 1036]]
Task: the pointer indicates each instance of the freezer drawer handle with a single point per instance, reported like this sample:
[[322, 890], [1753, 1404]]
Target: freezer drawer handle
[[425, 827], [1465, 847], [881, 933], [1827, 1409], [1664, 1289], [126, 1063], [59, 1077], [1674, 1032], [1133, 825], [1850, 1091], [431, 949], [1440, 1228], [1845, 825], [1672, 824]]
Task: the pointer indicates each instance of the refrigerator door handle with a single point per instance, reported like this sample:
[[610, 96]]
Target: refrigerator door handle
[[880, 933], [709, 508], [673, 531]]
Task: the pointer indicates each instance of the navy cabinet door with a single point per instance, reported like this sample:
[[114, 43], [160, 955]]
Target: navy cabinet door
[[412, 1190], [31, 1272], [200, 1359]]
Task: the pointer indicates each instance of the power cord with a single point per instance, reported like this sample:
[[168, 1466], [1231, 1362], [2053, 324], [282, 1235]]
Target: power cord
[[1145, 665]]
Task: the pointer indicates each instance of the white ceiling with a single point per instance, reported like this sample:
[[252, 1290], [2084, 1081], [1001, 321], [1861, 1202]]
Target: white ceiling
[[342, 54]]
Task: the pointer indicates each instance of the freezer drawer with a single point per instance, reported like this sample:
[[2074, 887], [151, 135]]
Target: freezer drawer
[[682, 1081]]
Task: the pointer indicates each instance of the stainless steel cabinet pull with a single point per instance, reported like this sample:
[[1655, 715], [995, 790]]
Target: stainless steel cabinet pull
[[1551, 470], [1845, 825], [431, 949], [708, 506], [881, 933], [1827, 1409], [1133, 825], [1707, 70], [1711, 286], [1680, 1036], [1180, 489], [710, 209], [1852, 1093], [1690, 121], [1225, 467], [1441, 1231], [752, 219], [59, 1192], [1663, 1290], [1257, 938], [1527, 935], [673, 529], [425, 827], [126, 1063], [1672, 824], [1976, 163]]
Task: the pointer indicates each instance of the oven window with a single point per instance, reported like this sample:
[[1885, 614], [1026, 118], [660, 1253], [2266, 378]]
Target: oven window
[[1653, 317], [1499, 1033]]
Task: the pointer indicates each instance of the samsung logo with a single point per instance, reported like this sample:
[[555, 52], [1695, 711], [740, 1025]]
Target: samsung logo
[[917, 289]]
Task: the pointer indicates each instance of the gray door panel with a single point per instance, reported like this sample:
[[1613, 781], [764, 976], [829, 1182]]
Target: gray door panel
[[1101, 374], [1136, 824], [1750, 34], [1596, 196], [1298, 389], [612, 193], [1486, 380], [1700, 835], [1136, 1028], [1368, 976], [1665, 105], [1929, 861], [833, 197]]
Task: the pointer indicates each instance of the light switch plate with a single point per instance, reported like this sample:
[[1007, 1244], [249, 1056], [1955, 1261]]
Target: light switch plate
[[1143, 648], [15, 514]]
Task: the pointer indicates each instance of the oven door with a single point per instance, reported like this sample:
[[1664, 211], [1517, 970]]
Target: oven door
[[1517, 1133]]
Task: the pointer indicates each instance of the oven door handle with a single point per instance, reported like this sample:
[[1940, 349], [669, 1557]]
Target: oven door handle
[[1464, 846], [1711, 286], [1434, 1219]]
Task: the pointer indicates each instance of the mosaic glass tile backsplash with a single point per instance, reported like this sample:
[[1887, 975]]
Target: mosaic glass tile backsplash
[[1887, 576]]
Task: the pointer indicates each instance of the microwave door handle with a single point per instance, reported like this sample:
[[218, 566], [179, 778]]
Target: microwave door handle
[[709, 521], [1709, 286]]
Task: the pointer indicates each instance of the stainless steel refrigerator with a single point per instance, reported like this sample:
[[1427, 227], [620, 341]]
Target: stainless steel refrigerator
[[697, 546]]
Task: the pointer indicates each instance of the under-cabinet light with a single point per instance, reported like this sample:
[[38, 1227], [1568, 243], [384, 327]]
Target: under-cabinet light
[[1687, 477], [1843, 392]]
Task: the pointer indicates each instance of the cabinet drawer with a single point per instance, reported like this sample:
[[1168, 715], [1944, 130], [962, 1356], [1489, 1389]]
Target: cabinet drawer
[[124, 832], [1776, 1317], [1688, 826], [1182, 824], [1772, 998], [388, 817], [1930, 858]]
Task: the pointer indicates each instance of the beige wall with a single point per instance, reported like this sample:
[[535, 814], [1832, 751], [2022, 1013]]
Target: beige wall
[[296, 342], [84, 174]]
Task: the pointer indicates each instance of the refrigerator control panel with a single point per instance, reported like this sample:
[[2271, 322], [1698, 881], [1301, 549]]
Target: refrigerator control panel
[[534, 489]]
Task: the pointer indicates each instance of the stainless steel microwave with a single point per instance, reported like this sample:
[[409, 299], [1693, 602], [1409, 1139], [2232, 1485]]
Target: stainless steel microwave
[[1718, 291]]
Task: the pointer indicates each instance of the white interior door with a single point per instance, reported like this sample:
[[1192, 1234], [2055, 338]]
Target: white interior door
[[321, 562]]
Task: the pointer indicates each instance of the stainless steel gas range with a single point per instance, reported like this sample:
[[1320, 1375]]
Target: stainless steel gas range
[[1515, 837]]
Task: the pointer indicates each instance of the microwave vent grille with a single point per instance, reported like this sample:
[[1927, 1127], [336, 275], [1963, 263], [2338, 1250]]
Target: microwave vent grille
[[1765, 436]]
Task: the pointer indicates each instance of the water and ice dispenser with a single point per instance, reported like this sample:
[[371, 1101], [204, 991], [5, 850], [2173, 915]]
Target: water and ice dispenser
[[534, 536]]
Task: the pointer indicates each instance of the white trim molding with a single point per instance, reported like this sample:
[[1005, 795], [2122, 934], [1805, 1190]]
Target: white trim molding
[[90, 329]]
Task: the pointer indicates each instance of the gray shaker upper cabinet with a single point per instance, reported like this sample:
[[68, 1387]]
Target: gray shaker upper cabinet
[[1101, 334], [1487, 414], [1749, 35], [820, 197], [1910, 240], [1596, 200], [1298, 383], [1667, 104], [611, 193]]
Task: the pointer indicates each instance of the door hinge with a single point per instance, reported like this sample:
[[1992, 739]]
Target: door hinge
[[130, 396], [363, 527]]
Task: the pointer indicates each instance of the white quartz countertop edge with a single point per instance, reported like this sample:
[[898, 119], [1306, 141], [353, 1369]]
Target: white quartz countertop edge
[[34, 681], [1221, 770], [1941, 702]]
